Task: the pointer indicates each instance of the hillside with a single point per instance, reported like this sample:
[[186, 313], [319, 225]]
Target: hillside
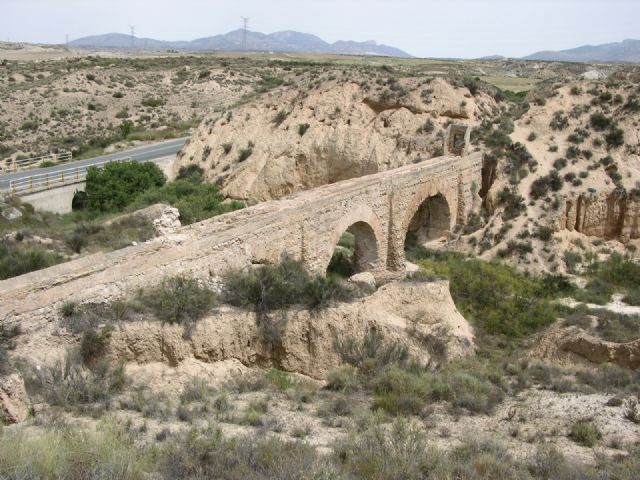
[[561, 162], [339, 128], [287, 41], [625, 51]]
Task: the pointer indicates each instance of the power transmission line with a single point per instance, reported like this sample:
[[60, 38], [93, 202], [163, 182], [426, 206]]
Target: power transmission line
[[245, 21]]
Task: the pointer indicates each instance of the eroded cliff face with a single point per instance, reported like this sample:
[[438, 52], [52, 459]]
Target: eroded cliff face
[[297, 139], [418, 315], [610, 216]]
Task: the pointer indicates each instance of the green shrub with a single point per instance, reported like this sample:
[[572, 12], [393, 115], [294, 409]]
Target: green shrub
[[371, 353], [302, 129], [126, 128], [272, 287], [585, 433], [197, 390], [68, 383], [68, 309], [344, 379], [599, 121], [152, 102], [493, 296], [109, 451], [191, 173], [179, 299], [94, 344], [226, 148], [18, 261], [280, 379], [245, 153], [116, 185], [400, 392], [280, 117], [195, 199], [559, 121], [341, 263], [615, 138]]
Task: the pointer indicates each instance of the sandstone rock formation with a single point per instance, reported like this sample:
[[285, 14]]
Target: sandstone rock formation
[[165, 218], [168, 221], [420, 315], [13, 399], [365, 279], [296, 140], [574, 345], [613, 215]]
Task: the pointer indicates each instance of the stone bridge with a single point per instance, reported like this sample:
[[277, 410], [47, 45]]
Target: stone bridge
[[427, 199]]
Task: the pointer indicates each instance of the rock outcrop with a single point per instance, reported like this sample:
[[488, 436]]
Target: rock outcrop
[[611, 216], [420, 315], [14, 403], [574, 345]]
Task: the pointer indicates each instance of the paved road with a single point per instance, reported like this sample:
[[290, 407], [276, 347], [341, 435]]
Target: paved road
[[139, 154]]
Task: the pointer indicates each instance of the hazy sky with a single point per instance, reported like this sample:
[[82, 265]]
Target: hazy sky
[[427, 28]]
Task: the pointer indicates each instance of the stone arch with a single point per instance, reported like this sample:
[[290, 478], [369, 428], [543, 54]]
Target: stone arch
[[405, 209], [370, 246]]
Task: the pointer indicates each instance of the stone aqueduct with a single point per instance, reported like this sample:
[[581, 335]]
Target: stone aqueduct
[[427, 198]]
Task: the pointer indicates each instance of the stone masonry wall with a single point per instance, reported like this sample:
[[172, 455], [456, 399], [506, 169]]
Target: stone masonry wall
[[307, 225]]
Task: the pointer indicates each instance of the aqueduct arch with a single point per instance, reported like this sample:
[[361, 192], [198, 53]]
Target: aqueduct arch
[[370, 240], [432, 220]]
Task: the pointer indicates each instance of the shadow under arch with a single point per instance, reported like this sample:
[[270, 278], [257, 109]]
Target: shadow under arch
[[431, 221], [357, 251]]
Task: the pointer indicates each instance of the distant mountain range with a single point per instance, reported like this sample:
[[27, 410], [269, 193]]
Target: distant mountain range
[[289, 41], [625, 51]]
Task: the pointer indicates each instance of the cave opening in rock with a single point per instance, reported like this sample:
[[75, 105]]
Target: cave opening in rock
[[356, 251], [432, 221]]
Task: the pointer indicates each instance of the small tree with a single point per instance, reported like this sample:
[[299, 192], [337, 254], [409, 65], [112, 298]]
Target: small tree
[[115, 186]]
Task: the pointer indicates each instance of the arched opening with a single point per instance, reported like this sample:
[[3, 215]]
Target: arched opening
[[356, 251], [79, 201], [432, 221]]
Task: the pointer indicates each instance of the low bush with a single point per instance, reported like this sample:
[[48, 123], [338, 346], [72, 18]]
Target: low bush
[[615, 137], [178, 299], [371, 353], [495, 297], [559, 121], [68, 383], [599, 121], [197, 390], [94, 344], [152, 102], [585, 433], [272, 287], [302, 129], [245, 153], [280, 117], [195, 199], [18, 261]]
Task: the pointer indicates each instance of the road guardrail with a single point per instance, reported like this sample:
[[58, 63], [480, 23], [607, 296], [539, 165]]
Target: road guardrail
[[12, 165], [49, 180]]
